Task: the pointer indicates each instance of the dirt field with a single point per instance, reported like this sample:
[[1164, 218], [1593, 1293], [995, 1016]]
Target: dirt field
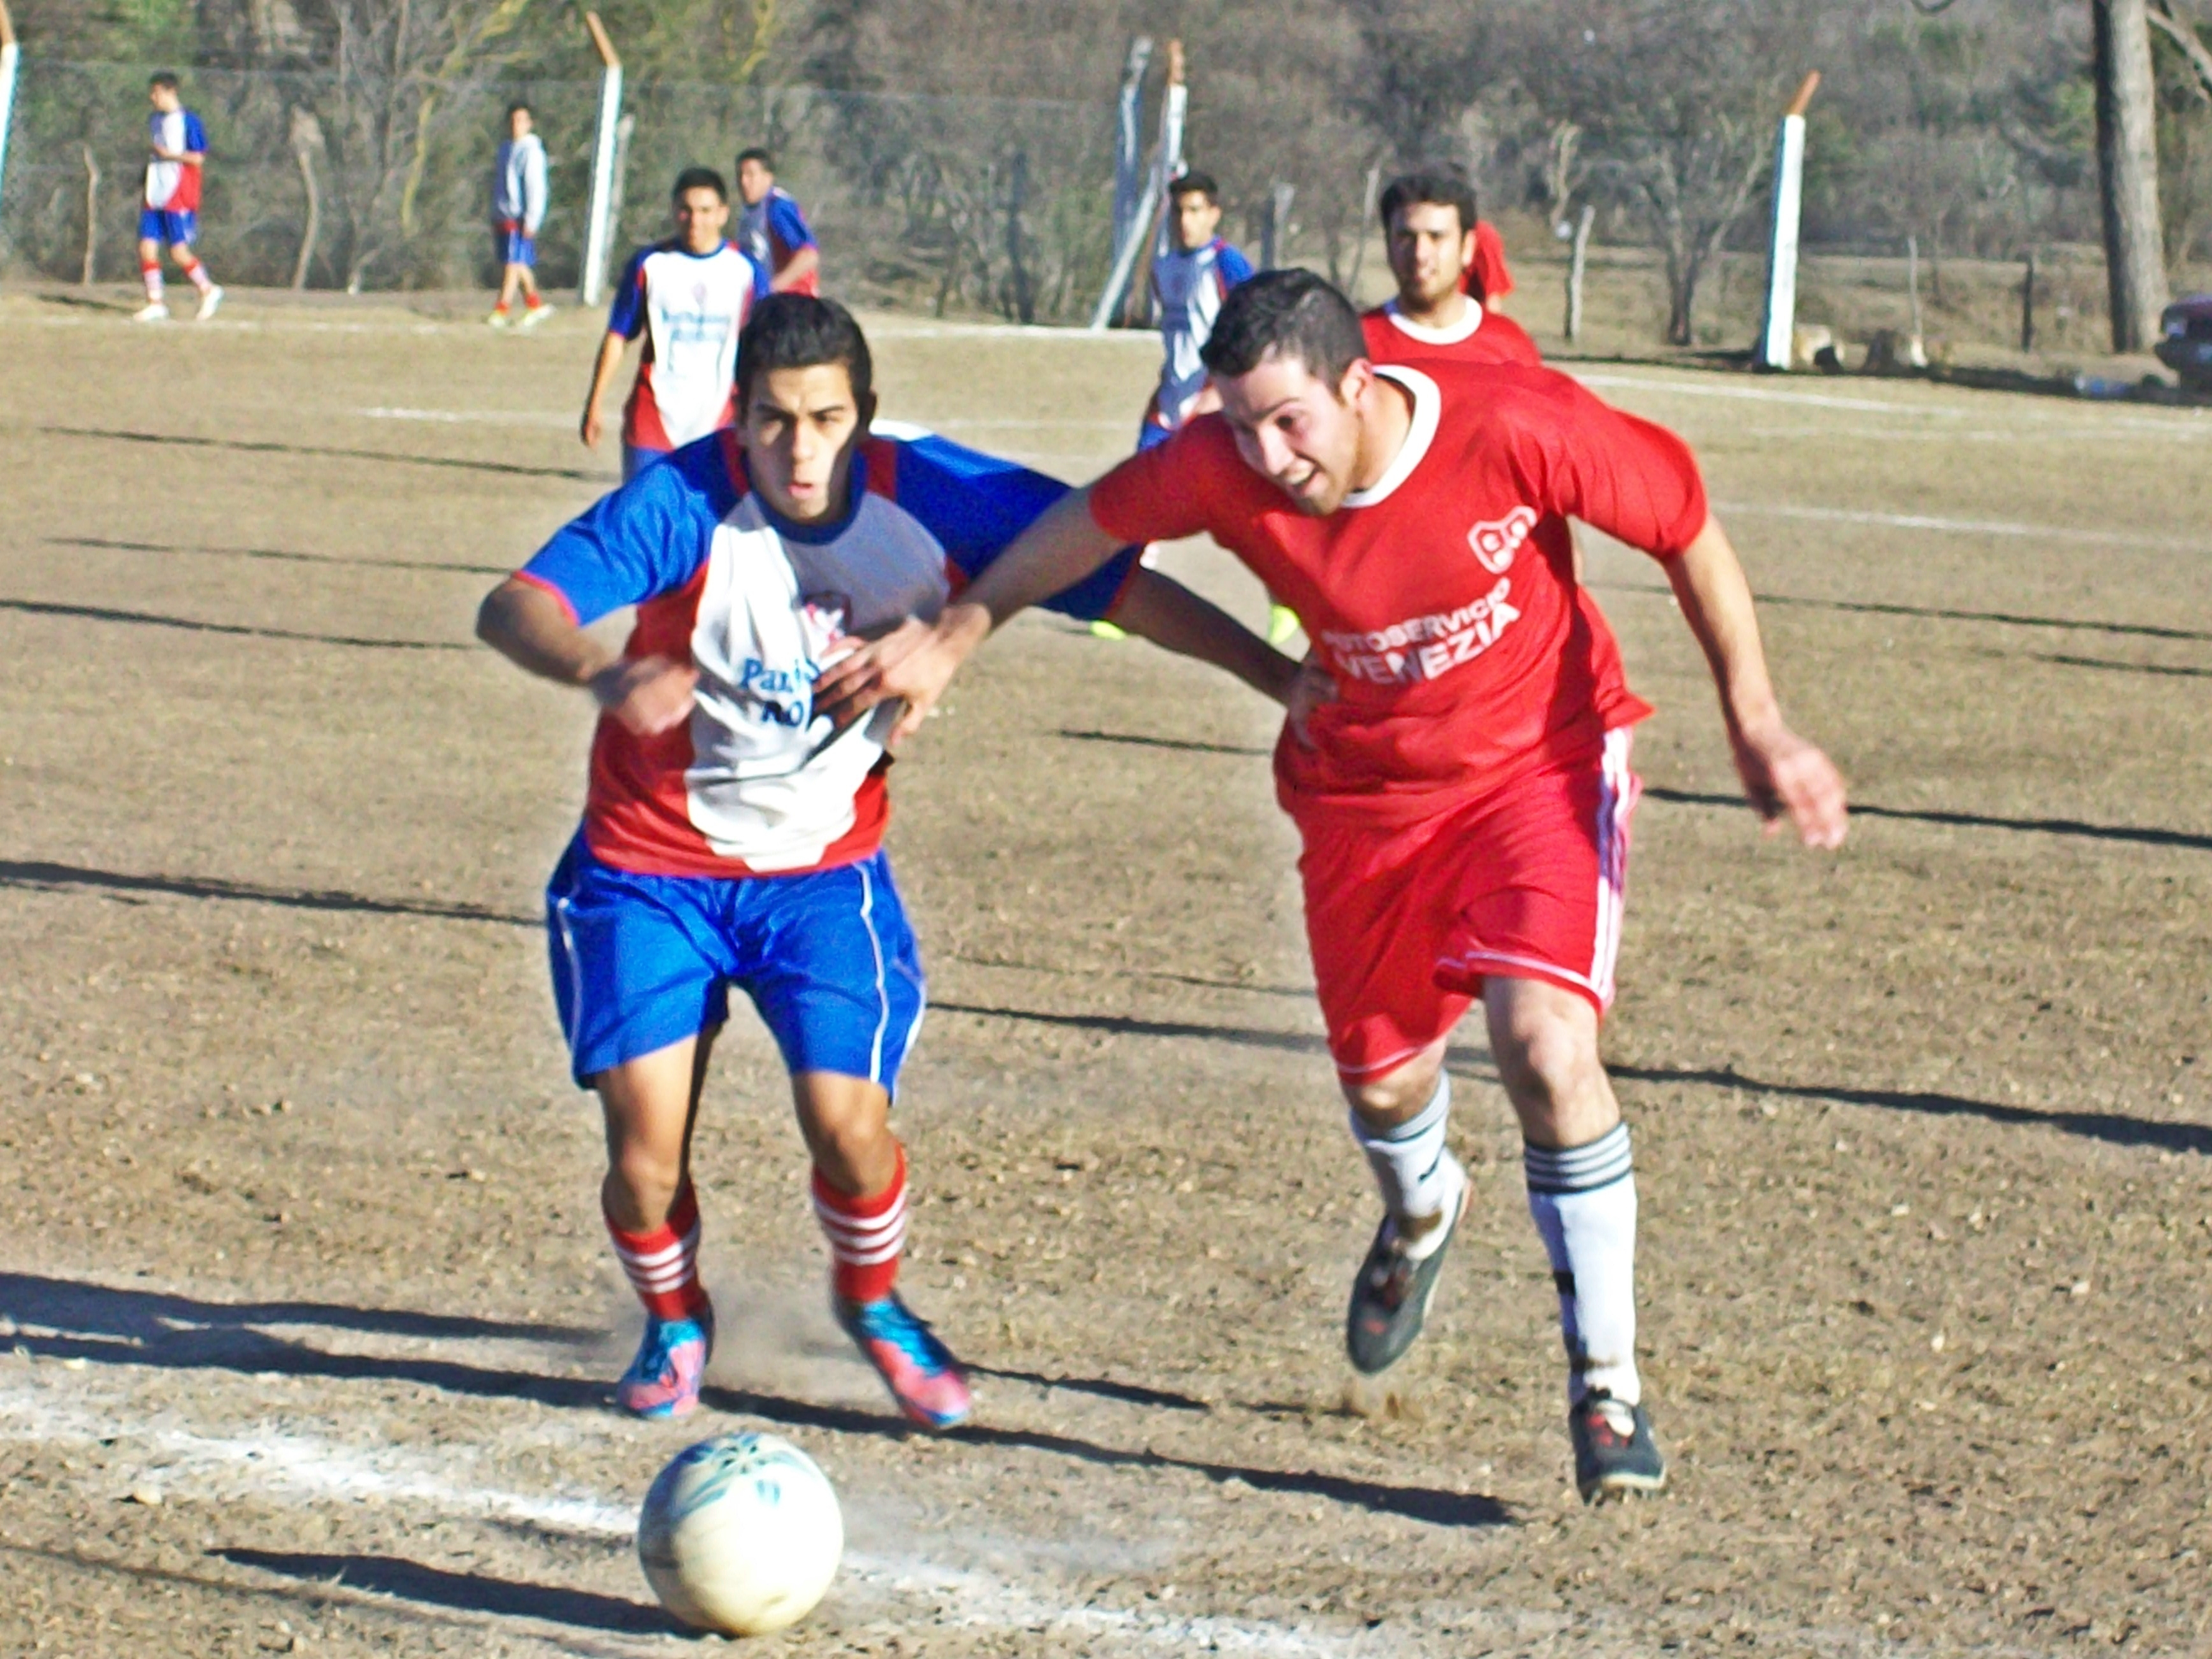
[[309, 1317]]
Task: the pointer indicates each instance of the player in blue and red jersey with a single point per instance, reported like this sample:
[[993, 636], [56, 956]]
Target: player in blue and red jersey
[[689, 296], [1189, 283], [170, 211], [772, 230], [732, 834]]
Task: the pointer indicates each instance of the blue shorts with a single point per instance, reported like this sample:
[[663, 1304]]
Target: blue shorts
[[641, 961], [177, 229], [517, 247]]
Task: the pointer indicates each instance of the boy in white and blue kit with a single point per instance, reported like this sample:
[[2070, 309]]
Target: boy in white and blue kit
[[733, 829], [169, 212], [1188, 285], [517, 211]]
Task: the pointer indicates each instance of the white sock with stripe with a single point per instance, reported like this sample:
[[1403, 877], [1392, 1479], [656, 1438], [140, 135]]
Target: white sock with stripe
[[1582, 1200], [1414, 1170]]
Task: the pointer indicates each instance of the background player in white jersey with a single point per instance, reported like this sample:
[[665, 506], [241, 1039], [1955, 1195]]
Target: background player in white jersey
[[1189, 283], [170, 213], [518, 211], [772, 230], [689, 296], [732, 834]]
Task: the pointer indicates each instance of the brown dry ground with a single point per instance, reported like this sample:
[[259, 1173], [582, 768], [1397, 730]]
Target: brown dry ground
[[299, 1238]]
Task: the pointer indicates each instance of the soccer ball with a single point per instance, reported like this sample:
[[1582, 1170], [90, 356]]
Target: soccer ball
[[740, 1534]]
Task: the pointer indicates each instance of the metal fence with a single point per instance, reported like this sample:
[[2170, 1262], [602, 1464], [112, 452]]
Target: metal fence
[[1003, 204]]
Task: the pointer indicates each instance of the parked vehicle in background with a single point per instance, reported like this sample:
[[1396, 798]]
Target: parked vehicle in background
[[2185, 342]]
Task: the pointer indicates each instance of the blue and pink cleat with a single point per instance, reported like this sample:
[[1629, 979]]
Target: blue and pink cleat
[[924, 1378], [664, 1380]]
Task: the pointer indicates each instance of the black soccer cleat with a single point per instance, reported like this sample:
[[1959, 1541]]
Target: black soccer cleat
[[1390, 1298], [1615, 1452]]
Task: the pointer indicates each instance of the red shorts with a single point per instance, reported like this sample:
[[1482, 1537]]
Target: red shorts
[[1405, 922]]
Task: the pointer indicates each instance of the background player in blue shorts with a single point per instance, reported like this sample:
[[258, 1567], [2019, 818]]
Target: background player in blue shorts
[[517, 210], [177, 146], [732, 834]]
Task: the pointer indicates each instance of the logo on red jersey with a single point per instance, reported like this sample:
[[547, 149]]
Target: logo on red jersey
[[1497, 543], [1425, 648]]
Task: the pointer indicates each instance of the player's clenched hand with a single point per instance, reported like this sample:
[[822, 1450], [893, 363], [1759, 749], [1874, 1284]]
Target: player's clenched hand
[[1313, 687], [589, 428], [648, 695], [1787, 777], [912, 663]]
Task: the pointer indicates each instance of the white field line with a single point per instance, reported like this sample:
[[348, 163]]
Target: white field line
[[303, 1469], [1769, 395], [471, 417], [1962, 526]]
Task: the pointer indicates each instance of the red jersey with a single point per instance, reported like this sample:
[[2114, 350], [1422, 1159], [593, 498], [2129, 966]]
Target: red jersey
[[1443, 599], [1487, 278], [1479, 337]]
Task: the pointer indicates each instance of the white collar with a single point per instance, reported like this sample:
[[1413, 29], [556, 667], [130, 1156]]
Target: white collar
[[1428, 409], [1470, 321]]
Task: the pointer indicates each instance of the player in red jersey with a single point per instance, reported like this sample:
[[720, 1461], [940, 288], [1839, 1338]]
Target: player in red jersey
[[1455, 759], [1430, 230]]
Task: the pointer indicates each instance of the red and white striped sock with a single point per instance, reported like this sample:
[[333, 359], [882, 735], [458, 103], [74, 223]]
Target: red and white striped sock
[[152, 274], [198, 272], [663, 1261], [866, 1236]]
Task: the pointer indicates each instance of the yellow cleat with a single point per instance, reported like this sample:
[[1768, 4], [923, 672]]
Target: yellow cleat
[[1103, 629], [1282, 623]]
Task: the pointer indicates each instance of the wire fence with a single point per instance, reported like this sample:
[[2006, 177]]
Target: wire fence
[[325, 180]]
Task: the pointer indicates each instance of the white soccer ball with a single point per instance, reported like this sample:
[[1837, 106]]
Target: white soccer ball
[[740, 1534]]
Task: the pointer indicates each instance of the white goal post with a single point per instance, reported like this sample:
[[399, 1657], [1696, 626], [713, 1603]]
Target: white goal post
[[1775, 334], [606, 184]]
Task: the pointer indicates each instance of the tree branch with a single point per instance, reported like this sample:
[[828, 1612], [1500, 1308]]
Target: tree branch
[[2182, 33]]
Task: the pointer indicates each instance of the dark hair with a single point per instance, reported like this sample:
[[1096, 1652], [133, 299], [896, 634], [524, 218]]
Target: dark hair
[[517, 107], [1195, 183], [756, 154], [1436, 186], [1286, 313], [167, 78], [693, 178], [798, 331]]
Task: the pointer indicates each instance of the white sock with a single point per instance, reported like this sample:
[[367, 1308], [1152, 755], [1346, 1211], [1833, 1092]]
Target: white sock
[[1583, 1201], [1417, 1175]]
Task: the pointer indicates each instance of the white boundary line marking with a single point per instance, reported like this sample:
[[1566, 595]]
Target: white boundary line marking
[[1962, 526], [303, 1469], [469, 417]]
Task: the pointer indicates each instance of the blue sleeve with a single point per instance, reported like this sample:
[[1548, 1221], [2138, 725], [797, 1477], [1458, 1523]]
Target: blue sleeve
[[975, 505], [787, 224], [1234, 267], [647, 538], [762, 286], [195, 134], [627, 315]]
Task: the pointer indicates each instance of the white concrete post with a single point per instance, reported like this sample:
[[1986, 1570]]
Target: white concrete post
[[606, 147], [1774, 336], [11, 56]]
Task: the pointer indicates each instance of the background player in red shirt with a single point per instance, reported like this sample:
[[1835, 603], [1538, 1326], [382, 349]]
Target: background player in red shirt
[[1456, 760], [1432, 236]]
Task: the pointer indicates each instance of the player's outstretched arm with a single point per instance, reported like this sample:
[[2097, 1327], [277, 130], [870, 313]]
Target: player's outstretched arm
[[917, 660], [602, 375], [1162, 610], [533, 629], [1782, 774]]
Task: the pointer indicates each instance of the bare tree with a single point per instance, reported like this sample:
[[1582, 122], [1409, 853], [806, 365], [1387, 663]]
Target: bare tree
[[1676, 101], [2127, 170]]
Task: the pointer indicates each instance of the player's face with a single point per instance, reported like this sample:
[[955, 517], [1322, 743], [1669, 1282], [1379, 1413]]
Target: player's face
[[754, 181], [800, 427], [1196, 221], [701, 215], [1430, 251], [164, 98], [518, 124], [1296, 431]]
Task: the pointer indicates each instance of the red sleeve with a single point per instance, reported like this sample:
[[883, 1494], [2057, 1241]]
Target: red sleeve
[[1489, 277], [1165, 493], [1635, 481]]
